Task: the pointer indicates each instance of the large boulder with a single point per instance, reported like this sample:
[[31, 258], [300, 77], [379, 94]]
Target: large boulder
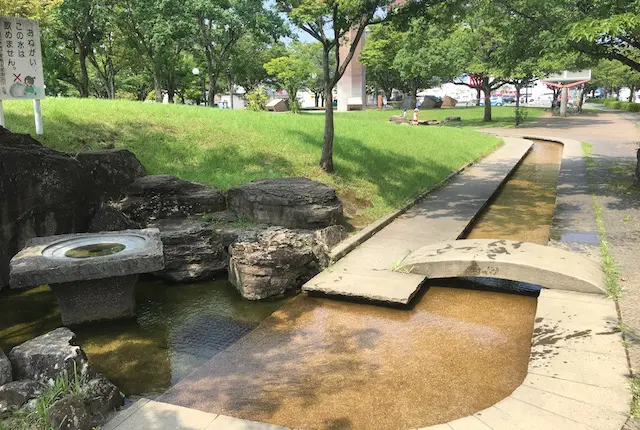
[[112, 170], [325, 240], [70, 413], [45, 357], [15, 394], [165, 196], [109, 218], [278, 260], [196, 250], [289, 202], [42, 192], [5, 369]]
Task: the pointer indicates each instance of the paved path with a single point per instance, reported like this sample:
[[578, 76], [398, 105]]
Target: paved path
[[367, 272]]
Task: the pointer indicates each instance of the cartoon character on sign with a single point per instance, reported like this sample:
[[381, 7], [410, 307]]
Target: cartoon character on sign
[[29, 90], [24, 90]]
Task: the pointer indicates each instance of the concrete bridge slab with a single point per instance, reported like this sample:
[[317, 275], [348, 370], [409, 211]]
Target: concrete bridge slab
[[516, 261]]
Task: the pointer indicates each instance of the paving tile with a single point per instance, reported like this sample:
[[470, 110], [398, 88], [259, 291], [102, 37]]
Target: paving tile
[[124, 414], [514, 414], [585, 413], [616, 399], [583, 337], [602, 315], [224, 422], [468, 423], [393, 287], [163, 416], [581, 366]]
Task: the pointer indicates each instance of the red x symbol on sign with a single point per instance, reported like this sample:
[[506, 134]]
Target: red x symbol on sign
[[17, 77]]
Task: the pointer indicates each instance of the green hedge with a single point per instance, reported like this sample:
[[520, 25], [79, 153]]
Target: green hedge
[[628, 106]]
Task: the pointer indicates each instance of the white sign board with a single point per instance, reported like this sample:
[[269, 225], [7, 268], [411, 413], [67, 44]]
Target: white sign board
[[20, 59]]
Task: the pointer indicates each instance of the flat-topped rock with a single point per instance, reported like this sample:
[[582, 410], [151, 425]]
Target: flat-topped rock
[[46, 260], [505, 259], [165, 196], [289, 202], [45, 357]]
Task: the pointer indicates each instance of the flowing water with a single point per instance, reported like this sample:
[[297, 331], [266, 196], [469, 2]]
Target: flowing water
[[320, 363], [178, 327]]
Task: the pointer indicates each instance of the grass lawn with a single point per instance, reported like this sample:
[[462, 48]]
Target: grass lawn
[[379, 165]]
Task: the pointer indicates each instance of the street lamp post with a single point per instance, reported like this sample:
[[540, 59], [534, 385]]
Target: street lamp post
[[196, 72]]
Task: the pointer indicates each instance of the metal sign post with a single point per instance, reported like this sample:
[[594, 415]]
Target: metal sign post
[[21, 74]]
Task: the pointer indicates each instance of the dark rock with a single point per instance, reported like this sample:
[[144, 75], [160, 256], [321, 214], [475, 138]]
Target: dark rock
[[70, 413], [42, 192], [102, 397], [112, 170], [288, 202], [15, 394], [279, 260], [5, 369], [165, 196], [47, 356], [196, 250], [192, 250], [109, 218]]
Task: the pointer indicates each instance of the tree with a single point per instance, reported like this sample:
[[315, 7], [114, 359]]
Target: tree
[[607, 29], [80, 24], [220, 25], [378, 56], [334, 24], [245, 67], [158, 30], [292, 72]]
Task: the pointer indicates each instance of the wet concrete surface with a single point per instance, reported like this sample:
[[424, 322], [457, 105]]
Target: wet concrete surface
[[177, 328], [318, 363]]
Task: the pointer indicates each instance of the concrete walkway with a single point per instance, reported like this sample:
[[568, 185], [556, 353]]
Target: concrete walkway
[[367, 272]]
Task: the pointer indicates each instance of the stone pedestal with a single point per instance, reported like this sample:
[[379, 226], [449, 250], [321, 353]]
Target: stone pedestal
[[351, 87], [96, 299]]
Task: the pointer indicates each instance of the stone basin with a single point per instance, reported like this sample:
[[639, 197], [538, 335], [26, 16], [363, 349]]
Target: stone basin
[[92, 275]]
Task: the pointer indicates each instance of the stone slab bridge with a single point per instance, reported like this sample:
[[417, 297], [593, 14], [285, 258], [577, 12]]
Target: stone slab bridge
[[516, 261]]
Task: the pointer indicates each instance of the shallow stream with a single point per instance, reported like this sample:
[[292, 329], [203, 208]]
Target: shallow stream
[[320, 363]]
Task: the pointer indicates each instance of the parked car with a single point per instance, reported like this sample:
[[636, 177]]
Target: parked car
[[495, 101], [509, 98]]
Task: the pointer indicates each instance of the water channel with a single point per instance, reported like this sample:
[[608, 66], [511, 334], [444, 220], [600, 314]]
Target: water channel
[[321, 363]]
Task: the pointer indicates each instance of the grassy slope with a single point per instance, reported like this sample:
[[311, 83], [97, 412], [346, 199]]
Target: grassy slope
[[378, 165]]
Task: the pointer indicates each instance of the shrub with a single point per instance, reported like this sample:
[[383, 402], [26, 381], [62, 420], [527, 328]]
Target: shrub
[[257, 99], [628, 106]]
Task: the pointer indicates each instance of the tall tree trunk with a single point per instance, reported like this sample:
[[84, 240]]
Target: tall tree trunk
[[517, 112], [478, 94], [157, 86], [171, 95], [326, 159], [315, 98], [632, 93], [84, 73], [487, 104], [230, 91], [111, 79]]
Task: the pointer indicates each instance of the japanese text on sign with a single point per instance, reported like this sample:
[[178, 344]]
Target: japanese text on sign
[[20, 59]]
